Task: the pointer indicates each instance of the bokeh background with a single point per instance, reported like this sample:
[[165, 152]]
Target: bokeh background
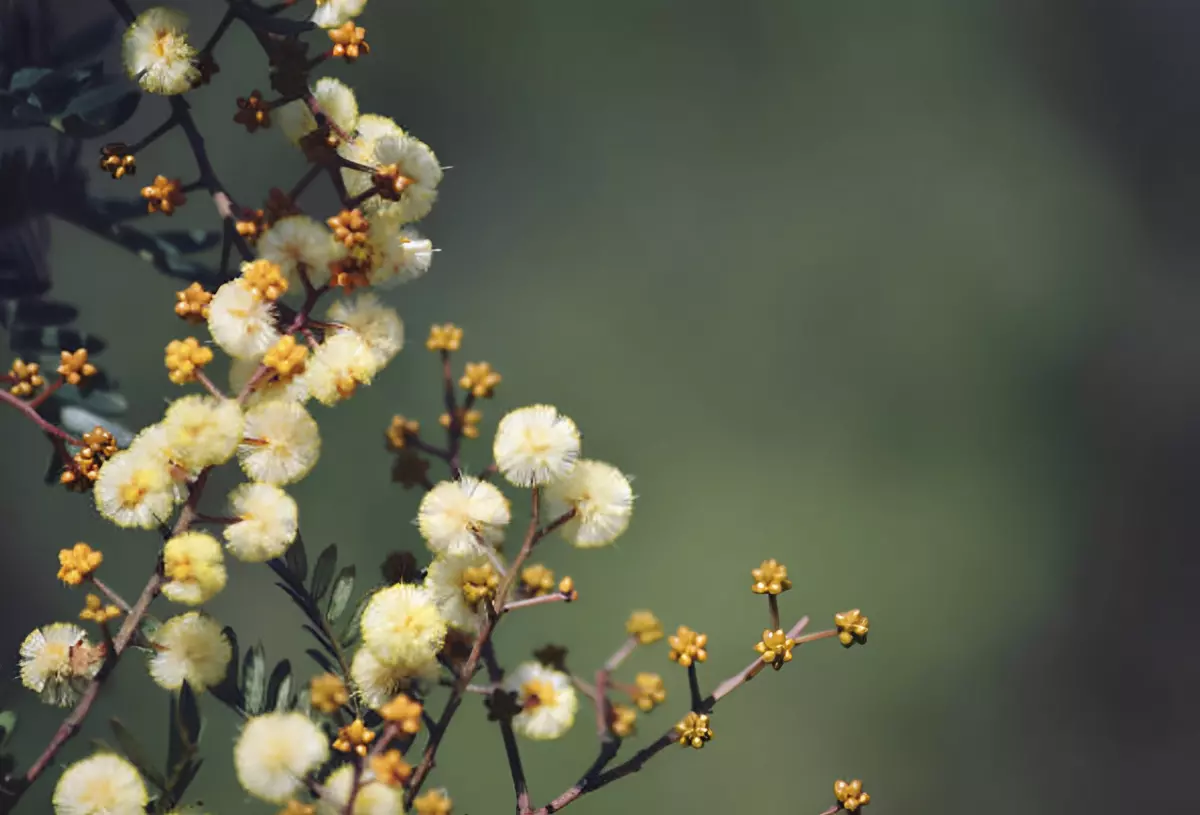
[[903, 295]]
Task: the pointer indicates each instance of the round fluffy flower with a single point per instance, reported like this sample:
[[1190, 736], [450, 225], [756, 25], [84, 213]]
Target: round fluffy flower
[[401, 254], [373, 798], [378, 683], [460, 584], [535, 445], [157, 54], [203, 431], [339, 365], [195, 568], [379, 325], [281, 444], [336, 100], [191, 648], [275, 752], [242, 324], [332, 13], [135, 489], [602, 499], [102, 784], [57, 661], [416, 162], [267, 387], [402, 627], [547, 699], [267, 522], [300, 242], [360, 149], [455, 516]]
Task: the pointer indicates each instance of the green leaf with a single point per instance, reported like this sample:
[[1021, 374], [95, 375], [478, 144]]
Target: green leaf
[[136, 754], [322, 659], [227, 691], [350, 630], [98, 110], [343, 590], [189, 715], [8, 723], [323, 572], [254, 681], [296, 560], [279, 688]]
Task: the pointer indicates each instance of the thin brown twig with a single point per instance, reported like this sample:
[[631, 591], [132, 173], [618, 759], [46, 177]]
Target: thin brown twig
[[36, 418]]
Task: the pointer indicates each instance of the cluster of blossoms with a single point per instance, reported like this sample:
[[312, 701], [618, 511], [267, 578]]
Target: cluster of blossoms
[[344, 745]]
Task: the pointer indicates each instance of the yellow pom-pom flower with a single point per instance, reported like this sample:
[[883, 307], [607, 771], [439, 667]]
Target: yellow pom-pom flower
[[547, 699], [267, 522], [461, 584], [191, 648], [378, 325], [378, 683], [337, 102], [602, 499], [135, 489], [536, 445], [203, 431], [373, 798], [275, 752], [281, 444], [299, 244], [332, 13], [57, 662], [240, 322], [195, 568], [339, 365], [401, 626], [458, 517], [414, 162], [157, 54], [102, 784]]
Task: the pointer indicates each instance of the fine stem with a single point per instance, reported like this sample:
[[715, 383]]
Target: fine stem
[[36, 418], [773, 607], [694, 687], [112, 596]]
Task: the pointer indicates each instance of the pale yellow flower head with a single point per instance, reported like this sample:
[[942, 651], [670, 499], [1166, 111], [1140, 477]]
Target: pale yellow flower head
[[339, 365], [547, 699], [203, 431], [336, 100], [536, 445], [378, 325], [240, 323], [57, 662], [102, 784], [602, 499], [275, 752], [458, 517], [157, 54], [195, 568], [191, 648], [373, 798], [402, 627], [281, 442], [135, 489], [267, 522]]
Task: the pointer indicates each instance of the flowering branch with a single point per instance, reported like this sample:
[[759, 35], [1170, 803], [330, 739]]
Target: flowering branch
[[31, 413]]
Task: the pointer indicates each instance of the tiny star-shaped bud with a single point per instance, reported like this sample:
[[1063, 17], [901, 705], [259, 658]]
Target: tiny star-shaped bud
[[775, 648], [694, 730], [850, 794], [687, 646], [97, 612], [434, 802], [349, 41], [446, 337], [74, 366], [623, 720], [770, 578], [252, 224], [537, 580], [328, 692], [645, 626], [480, 380], [400, 430], [852, 627], [502, 705], [552, 656], [354, 738], [185, 358], [403, 712], [410, 470], [192, 303], [27, 377], [390, 768], [100, 441], [164, 195], [77, 563], [389, 182], [350, 227], [650, 691], [468, 421], [265, 279], [479, 583], [252, 112], [286, 358], [116, 160]]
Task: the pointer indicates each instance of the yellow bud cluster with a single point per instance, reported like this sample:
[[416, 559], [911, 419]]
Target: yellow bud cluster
[[185, 358], [286, 358], [77, 563]]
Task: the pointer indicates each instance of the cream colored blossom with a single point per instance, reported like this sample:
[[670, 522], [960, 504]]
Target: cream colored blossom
[[332, 13], [57, 662], [240, 323], [401, 253], [275, 752], [102, 784], [190, 647], [202, 431], [602, 499], [378, 325], [267, 522], [157, 54], [195, 568], [282, 443], [373, 798], [360, 149], [536, 445], [378, 683], [266, 387], [461, 584], [402, 627], [300, 243], [338, 366], [135, 489], [547, 699], [457, 517], [417, 163], [335, 99]]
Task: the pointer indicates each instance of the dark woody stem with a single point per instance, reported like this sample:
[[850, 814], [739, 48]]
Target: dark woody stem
[[773, 606], [694, 687]]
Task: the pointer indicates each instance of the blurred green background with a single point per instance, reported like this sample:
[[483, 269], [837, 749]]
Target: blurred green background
[[881, 290]]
